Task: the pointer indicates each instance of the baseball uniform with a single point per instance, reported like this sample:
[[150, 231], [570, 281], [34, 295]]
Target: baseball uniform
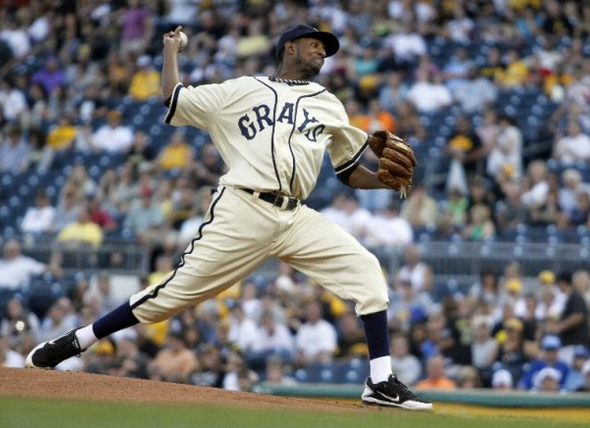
[[272, 134]]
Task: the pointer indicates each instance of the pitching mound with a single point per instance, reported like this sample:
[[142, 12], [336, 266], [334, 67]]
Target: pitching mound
[[83, 386]]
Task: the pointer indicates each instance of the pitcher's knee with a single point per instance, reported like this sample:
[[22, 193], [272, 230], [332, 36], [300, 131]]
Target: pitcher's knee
[[375, 300]]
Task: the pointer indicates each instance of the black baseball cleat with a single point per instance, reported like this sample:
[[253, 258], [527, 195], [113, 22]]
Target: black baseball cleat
[[393, 393], [49, 354]]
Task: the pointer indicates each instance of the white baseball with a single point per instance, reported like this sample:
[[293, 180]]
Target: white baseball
[[183, 41]]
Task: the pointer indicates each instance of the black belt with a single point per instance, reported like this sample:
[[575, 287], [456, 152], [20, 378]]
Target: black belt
[[283, 202]]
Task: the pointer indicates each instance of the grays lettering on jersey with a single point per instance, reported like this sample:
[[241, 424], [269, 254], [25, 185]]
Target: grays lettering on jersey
[[271, 135]]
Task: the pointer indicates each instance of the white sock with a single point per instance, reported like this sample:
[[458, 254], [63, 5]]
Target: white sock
[[380, 369], [86, 337]]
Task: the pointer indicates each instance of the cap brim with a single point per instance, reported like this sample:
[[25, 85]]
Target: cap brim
[[329, 40]]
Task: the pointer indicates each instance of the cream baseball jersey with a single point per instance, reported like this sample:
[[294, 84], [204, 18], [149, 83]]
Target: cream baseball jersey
[[272, 135]]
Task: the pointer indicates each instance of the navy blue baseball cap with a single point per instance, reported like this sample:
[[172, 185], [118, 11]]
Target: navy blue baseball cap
[[329, 40]]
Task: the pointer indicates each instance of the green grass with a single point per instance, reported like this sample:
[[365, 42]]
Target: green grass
[[36, 413]]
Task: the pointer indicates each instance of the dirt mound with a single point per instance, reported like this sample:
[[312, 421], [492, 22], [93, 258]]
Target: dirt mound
[[84, 386]]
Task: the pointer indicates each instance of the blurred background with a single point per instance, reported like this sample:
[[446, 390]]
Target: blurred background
[[487, 261]]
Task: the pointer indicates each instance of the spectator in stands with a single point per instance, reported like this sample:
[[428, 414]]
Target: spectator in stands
[[315, 341], [568, 193], [273, 339], [276, 373], [474, 93], [99, 215], [486, 289], [145, 83], [429, 94], [581, 281], [484, 347], [480, 225], [14, 150], [457, 68], [416, 271], [176, 155], [51, 77], [80, 182], [145, 219], [17, 270], [210, 370], [242, 330], [435, 376], [502, 380], [548, 379], [573, 325], [136, 28], [575, 379], [39, 219], [586, 373], [175, 362], [510, 211], [408, 44], [389, 229], [573, 148], [465, 149], [406, 365], [468, 378], [346, 212], [516, 72], [536, 185], [141, 150], [420, 209], [550, 346], [454, 213], [67, 208], [13, 104], [379, 118], [81, 234], [129, 361], [580, 215], [504, 162], [511, 355], [113, 137]]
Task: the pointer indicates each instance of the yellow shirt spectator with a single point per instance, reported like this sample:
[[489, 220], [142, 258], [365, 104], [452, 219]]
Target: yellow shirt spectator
[[88, 233], [146, 82], [177, 154], [62, 136]]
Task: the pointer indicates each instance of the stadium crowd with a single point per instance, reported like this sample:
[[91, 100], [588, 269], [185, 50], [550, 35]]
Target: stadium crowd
[[72, 70]]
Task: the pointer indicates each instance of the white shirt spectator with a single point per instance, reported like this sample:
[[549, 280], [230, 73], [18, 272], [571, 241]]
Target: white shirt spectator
[[18, 271], [416, 275], [243, 333], [17, 39], [13, 103], [429, 97], [572, 149], [507, 152], [280, 338], [407, 46], [113, 140], [389, 231], [537, 195], [314, 339], [38, 220]]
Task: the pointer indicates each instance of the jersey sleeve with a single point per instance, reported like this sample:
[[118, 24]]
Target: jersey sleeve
[[348, 143], [196, 106]]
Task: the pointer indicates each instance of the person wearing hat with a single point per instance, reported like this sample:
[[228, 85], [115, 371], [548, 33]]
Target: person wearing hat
[[272, 132], [550, 345], [575, 379], [572, 327]]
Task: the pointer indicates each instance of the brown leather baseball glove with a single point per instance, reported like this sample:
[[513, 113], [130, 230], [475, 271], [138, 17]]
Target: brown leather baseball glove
[[396, 161]]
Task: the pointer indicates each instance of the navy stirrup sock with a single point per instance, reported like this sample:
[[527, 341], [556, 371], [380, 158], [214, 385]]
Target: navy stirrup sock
[[118, 319], [377, 333]]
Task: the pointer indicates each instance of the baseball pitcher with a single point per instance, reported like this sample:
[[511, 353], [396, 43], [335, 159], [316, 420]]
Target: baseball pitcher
[[272, 132]]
